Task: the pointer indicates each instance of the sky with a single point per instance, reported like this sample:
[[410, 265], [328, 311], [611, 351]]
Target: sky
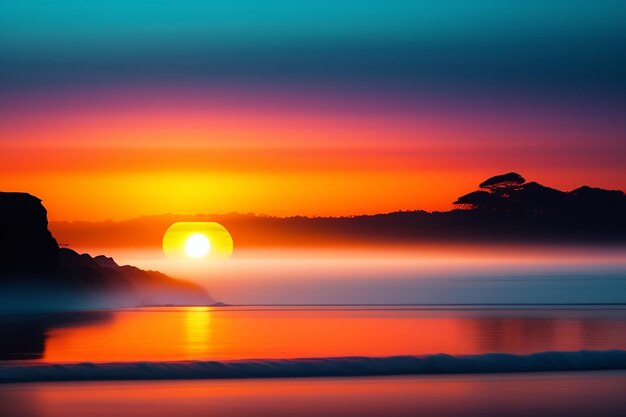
[[118, 109]]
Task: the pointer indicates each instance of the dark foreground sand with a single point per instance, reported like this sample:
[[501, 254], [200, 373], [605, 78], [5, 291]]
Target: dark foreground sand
[[528, 394]]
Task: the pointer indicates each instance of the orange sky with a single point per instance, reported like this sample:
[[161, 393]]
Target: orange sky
[[94, 156]]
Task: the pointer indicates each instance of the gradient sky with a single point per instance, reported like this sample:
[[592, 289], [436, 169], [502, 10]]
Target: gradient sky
[[116, 109]]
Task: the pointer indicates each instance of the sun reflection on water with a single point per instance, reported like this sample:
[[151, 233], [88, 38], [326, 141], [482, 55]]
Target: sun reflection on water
[[197, 330]]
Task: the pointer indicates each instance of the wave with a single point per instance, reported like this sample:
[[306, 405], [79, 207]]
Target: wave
[[318, 367]]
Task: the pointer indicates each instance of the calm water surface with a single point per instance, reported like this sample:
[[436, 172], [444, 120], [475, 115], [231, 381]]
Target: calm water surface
[[185, 333]]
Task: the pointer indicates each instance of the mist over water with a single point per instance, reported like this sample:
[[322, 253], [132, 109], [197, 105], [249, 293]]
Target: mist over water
[[406, 275]]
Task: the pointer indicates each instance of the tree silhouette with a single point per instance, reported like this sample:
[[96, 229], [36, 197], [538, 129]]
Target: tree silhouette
[[502, 182]]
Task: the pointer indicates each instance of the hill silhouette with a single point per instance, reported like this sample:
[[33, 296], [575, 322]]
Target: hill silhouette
[[36, 273], [505, 208]]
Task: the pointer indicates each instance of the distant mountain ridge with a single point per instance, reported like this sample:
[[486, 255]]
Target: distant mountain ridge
[[36, 273], [506, 208]]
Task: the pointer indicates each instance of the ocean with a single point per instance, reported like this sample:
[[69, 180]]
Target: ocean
[[232, 360]]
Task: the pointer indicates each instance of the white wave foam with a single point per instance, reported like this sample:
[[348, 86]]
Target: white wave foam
[[317, 367]]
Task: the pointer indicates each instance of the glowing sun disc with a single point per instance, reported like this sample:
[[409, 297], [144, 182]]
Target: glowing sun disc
[[181, 241], [197, 246]]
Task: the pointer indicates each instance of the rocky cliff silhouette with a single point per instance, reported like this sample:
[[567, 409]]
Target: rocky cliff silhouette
[[36, 273], [506, 208]]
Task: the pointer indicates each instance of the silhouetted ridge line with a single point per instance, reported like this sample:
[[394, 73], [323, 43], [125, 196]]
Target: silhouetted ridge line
[[505, 209]]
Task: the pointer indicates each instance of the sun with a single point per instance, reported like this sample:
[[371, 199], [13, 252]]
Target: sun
[[197, 246], [197, 240]]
